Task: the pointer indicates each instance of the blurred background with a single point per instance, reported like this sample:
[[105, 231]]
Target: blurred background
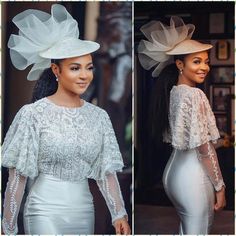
[[108, 23], [214, 21]]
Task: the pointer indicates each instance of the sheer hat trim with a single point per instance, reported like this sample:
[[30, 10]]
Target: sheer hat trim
[[165, 41], [43, 37]]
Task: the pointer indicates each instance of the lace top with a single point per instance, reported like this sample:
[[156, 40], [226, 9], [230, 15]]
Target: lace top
[[191, 119], [69, 143]]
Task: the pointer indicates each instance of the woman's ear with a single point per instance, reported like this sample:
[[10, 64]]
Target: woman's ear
[[55, 69], [179, 64]]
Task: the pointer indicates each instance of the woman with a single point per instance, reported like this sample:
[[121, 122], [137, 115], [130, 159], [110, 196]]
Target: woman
[[182, 116], [60, 140]]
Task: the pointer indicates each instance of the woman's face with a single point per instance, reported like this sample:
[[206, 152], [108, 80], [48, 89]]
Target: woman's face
[[195, 68], [74, 74]]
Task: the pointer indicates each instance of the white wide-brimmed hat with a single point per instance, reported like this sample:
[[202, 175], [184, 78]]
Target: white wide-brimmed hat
[[43, 37], [166, 41]]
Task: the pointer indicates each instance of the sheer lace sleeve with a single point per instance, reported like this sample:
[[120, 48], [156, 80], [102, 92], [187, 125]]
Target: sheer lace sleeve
[[104, 172], [208, 157], [110, 189], [13, 197]]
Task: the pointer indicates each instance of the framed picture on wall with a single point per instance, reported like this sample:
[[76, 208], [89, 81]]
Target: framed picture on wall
[[222, 52], [222, 74], [222, 123], [221, 98]]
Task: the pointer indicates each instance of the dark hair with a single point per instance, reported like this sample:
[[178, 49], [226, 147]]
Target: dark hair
[[46, 85], [160, 99]]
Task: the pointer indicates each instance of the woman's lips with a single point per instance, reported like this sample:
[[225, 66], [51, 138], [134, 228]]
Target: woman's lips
[[82, 85], [202, 75]]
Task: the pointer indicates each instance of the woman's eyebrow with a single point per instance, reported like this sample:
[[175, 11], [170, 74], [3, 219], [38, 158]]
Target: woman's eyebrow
[[78, 64], [200, 58]]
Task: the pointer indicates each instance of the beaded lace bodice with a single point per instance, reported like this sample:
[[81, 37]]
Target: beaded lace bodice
[[69, 143], [193, 125]]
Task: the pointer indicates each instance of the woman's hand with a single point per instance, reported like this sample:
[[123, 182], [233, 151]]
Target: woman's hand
[[122, 226], [220, 200]]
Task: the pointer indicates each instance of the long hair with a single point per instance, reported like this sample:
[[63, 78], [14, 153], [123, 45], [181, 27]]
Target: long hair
[[160, 99], [46, 85]]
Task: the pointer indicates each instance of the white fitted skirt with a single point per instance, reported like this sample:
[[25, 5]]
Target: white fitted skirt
[[191, 191], [54, 206]]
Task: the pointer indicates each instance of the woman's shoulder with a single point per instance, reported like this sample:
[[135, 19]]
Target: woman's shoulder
[[25, 115], [94, 109], [32, 109], [38, 106], [187, 92], [25, 110]]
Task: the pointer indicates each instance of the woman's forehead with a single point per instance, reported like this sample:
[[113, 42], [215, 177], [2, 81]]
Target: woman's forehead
[[85, 59], [201, 55]]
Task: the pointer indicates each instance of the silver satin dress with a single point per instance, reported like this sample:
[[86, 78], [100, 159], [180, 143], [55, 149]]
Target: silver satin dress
[[192, 174], [54, 206], [58, 149]]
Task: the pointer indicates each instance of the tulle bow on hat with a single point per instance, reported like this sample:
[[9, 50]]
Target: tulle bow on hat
[[162, 38], [43, 37]]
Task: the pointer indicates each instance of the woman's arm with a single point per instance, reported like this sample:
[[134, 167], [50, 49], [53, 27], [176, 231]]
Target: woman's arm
[[208, 157], [13, 197], [110, 189]]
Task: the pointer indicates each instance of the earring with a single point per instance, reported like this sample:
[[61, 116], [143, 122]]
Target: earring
[[181, 71], [56, 78]]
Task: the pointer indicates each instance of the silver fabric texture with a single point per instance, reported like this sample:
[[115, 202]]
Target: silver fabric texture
[[14, 193], [54, 206], [208, 158], [190, 190], [69, 144], [191, 119]]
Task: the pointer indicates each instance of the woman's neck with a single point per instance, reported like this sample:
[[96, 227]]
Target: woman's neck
[[183, 80], [66, 98]]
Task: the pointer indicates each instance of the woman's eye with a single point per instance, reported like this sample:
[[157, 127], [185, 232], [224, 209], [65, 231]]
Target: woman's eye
[[74, 68], [91, 68], [196, 62]]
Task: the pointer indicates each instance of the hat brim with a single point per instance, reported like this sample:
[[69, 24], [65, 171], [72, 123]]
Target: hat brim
[[71, 47], [189, 46]]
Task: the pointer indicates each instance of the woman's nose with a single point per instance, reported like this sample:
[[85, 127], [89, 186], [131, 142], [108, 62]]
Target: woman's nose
[[205, 67], [83, 74]]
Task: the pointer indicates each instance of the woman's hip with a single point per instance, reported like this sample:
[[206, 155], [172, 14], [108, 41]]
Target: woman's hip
[[49, 190], [187, 185], [66, 207]]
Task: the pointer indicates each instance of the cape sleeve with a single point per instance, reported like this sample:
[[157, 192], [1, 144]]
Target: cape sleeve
[[192, 122], [203, 124], [108, 163], [109, 159], [20, 146]]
